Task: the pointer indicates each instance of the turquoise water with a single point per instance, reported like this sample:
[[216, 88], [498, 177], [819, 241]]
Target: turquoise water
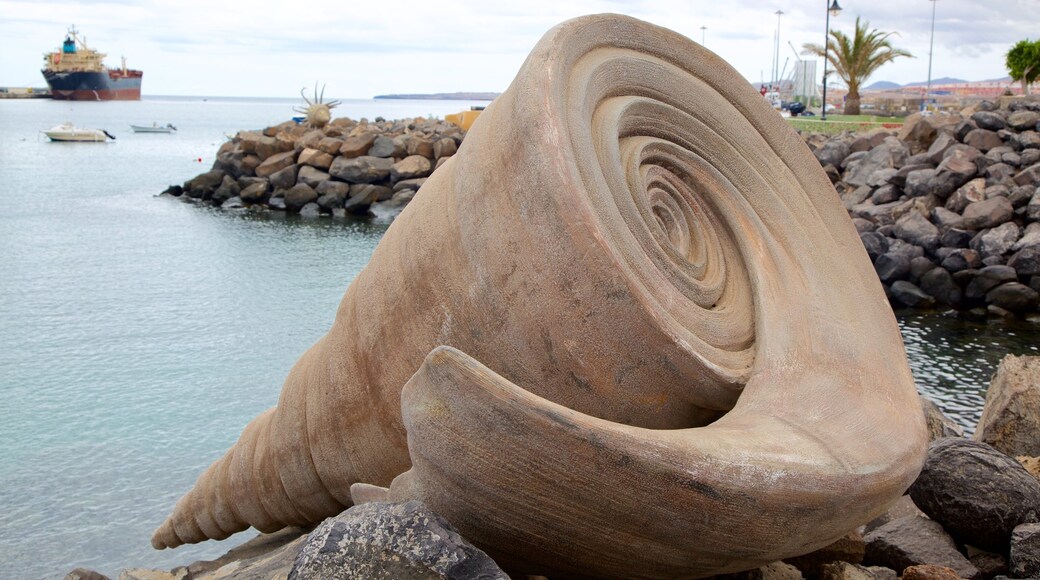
[[138, 334]]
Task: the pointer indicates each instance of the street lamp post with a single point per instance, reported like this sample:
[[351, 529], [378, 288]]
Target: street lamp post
[[835, 9], [931, 46], [703, 28]]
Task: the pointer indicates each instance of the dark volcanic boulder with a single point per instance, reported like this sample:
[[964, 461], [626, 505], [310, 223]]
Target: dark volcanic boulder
[[987, 279], [988, 213], [891, 267], [1025, 551], [908, 294], [364, 169], [1014, 297], [914, 228], [977, 493], [961, 259], [875, 244], [912, 541], [996, 241], [300, 195], [938, 283], [983, 139], [391, 541], [989, 120], [1026, 261]]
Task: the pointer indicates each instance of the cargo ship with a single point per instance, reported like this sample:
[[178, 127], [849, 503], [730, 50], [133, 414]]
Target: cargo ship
[[77, 72]]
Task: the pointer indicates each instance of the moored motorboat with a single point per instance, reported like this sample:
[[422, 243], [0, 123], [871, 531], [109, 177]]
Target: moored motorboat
[[69, 132], [154, 128]]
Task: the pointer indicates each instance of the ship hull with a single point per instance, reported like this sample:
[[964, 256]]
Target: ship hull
[[109, 85]]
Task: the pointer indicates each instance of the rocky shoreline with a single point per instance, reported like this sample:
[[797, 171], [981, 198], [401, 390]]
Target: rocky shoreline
[[947, 206], [974, 512]]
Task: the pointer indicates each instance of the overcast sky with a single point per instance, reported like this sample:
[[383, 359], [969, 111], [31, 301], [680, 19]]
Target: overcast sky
[[365, 48]]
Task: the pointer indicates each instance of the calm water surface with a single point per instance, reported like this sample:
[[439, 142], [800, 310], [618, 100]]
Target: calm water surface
[[138, 335]]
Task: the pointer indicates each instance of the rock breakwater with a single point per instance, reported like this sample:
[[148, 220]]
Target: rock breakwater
[[947, 207]]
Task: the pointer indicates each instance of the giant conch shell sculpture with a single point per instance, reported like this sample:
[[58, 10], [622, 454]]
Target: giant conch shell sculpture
[[628, 331]]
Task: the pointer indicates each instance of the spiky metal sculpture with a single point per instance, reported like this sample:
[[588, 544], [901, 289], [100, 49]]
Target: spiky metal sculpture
[[318, 113]]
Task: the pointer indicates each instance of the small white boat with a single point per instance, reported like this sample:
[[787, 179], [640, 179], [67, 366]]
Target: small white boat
[[154, 128], [69, 132]]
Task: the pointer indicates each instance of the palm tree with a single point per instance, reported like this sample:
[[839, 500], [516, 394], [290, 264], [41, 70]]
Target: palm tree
[[855, 59]]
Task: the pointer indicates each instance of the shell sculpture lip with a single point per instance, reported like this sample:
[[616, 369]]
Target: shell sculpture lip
[[636, 332]]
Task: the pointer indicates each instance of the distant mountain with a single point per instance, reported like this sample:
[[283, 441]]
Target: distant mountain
[[460, 96], [882, 86], [942, 81]]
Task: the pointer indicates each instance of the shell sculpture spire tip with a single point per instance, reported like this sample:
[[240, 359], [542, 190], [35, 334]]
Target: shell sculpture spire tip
[[628, 331]]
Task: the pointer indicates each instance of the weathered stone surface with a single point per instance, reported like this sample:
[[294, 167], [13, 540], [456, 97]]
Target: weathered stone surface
[[930, 572], [961, 259], [1030, 238], [996, 241], [228, 188], [983, 139], [364, 169], [285, 178], [330, 145], [383, 146], [1023, 120], [1024, 560], [84, 574], [299, 195], [850, 548], [275, 163], [1010, 419], [444, 147], [915, 229], [773, 571], [1014, 297], [923, 182], [912, 541], [1029, 175], [410, 167], [989, 564], [989, 120], [977, 493], [310, 210], [333, 187], [939, 425], [315, 158], [145, 574], [908, 294], [939, 284], [875, 244], [987, 279], [357, 145], [312, 176], [390, 541], [847, 571], [987, 213], [1026, 261], [892, 266], [974, 190], [880, 157]]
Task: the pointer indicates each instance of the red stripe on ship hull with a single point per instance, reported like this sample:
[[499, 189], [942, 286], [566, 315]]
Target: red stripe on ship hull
[[98, 95]]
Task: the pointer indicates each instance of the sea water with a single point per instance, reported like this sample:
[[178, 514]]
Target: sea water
[[138, 334]]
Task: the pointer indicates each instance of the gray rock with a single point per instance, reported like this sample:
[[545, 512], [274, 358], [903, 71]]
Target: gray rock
[[391, 541], [987, 279], [232, 204], [975, 492], [848, 571], [999, 173], [411, 167], [330, 201], [995, 241], [885, 194], [939, 284], [284, 178], [989, 120], [899, 179], [1014, 297], [333, 187], [954, 237], [275, 163], [312, 176], [382, 146], [923, 182], [364, 169], [255, 193], [1023, 120], [85, 574], [444, 147], [945, 219], [863, 226], [832, 152], [228, 189], [1029, 175], [1024, 561], [897, 246], [875, 244], [988, 213], [298, 196], [974, 190], [961, 259], [957, 168], [915, 229], [203, 184], [939, 147], [920, 266], [881, 157], [310, 210], [988, 563], [881, 177], [983, 139], [912, 541], [891, 267], [908, 294], [1026, 261]]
